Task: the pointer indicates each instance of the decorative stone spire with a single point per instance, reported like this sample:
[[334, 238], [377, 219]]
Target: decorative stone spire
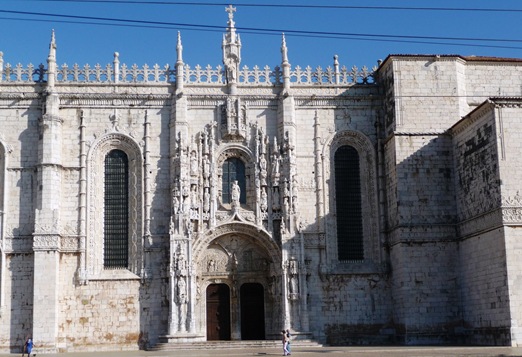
[[116, 64], [51, 63], [284, 50], [336, 69], [179, 49], [231, 51], [285, 66], [179, 64]]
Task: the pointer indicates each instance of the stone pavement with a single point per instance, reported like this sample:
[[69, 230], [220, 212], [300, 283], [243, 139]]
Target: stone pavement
[[402, 351]]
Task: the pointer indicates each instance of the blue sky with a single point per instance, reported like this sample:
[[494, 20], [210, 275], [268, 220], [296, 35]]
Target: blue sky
[[24, 40]]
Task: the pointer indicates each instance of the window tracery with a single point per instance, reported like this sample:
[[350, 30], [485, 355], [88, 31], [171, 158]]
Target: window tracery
[[96, 229]]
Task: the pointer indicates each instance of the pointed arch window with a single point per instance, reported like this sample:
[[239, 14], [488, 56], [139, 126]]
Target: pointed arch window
[[350, 235], [233, 170], [116, 213]]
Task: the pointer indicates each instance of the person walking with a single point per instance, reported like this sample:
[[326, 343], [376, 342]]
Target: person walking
[[289, 338], [28, 347], [284, 339]]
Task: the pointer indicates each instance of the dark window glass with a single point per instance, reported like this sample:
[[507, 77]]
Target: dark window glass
[[116, 219], [233, 170], [348, 204]]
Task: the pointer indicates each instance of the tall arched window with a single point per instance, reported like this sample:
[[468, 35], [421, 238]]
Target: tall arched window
[[116, 213], [233, 170], [350, 237]]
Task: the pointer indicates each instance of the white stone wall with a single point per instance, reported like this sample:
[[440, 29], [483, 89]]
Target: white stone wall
[[440, 204]]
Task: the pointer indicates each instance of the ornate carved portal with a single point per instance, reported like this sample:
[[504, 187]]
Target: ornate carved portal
[[246, 268]]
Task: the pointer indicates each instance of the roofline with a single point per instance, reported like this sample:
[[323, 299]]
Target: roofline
[[464, 58]]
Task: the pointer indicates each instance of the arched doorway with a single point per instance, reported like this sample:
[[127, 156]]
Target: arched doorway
[[252, 297], [218, 312]]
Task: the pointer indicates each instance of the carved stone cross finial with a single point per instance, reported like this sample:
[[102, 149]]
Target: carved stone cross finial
[[230, 9]]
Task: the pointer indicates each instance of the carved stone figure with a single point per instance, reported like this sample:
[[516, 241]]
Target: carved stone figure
[[264, 200], [194, 169], [262, 169], [275, 169], [194, 197], [276, 205], [211, 265], [236, 193], [181, 290], [206, 168], [206, 200], [293, 278], [175, 204], [182, 262]]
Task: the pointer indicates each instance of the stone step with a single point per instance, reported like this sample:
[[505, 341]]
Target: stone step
[[163, 346]]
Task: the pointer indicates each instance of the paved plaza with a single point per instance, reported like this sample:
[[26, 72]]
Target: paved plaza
[[311, 352]]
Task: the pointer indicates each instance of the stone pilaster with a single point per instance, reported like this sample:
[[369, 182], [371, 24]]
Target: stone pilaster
[[46, 237]]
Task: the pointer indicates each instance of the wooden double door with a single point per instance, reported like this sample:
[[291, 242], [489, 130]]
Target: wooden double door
[[251, 311]]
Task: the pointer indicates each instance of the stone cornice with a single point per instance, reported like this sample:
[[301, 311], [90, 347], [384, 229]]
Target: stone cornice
[[114, 100], [475, 115]]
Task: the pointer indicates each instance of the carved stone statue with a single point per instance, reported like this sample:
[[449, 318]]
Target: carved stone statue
[[275, 169], [206, 168], [293, 284], [236, 193], [264, 200], [194, 170], [182, 262], [206, 200], [276, 205], [181, 290]]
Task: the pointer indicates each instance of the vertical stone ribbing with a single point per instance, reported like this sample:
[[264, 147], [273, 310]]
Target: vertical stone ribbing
[[46, 240], [3, 204], [82, 271], [147, 240]]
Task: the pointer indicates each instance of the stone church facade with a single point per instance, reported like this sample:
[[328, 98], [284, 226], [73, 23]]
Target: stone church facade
[[142, 205]]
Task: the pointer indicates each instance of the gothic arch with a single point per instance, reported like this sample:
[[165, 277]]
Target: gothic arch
[[95, 203], [369, 202], [241, 229]]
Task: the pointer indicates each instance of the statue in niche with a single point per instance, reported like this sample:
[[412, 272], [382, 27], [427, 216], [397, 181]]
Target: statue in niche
[[194, 197], [231, 69], [262, 169], [206, 168], [293, 277], [236, 193], [206, 200], [275, 169], [181, 296], [211, 265], [181, 261], [181, 290], [286, 190], [175, 203], [189, 227], [275, 203], [283, 227], [194, 164], [264, 200], [286, 206]]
